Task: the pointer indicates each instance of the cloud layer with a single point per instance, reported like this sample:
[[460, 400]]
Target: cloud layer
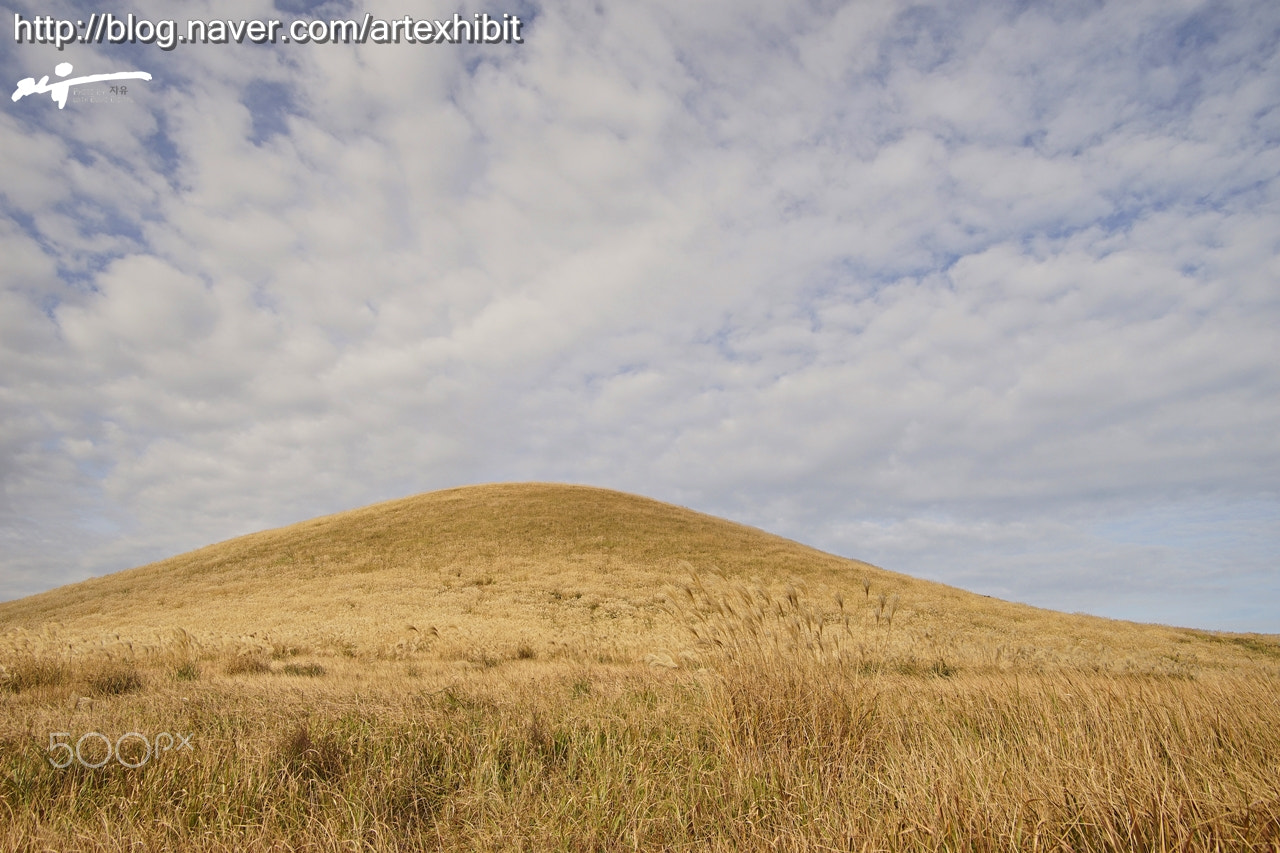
[[982, 293]]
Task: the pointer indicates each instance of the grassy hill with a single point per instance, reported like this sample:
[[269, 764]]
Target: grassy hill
[[483, 572], [535, 666]]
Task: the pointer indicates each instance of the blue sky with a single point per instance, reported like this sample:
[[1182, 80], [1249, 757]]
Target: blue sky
[[982, 292]]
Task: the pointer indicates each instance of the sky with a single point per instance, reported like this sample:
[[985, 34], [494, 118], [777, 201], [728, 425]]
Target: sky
[[983, 292]]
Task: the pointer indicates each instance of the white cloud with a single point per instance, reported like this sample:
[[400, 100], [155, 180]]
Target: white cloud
[[955, 292]]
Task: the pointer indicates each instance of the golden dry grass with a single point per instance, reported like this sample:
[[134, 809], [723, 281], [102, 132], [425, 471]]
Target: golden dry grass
[[552, 667], [563, 570]]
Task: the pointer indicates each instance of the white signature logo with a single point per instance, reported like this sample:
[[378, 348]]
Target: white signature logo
[[58, 91]]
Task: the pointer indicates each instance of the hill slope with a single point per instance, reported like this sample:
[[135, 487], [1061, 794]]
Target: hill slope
[[486, 573]]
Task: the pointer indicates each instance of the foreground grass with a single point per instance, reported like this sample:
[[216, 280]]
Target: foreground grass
[[760, 747], [607, 759]]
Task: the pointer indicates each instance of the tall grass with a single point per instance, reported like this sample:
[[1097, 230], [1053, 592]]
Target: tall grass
[[788, 724]]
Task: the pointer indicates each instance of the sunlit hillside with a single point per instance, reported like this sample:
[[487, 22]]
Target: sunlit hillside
[[548, 667], [482, 572]]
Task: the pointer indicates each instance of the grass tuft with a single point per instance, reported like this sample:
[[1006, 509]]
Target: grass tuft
[[306, 756], [308, 669], [114, 678], [187, 671], [33, 672], [247, 665]]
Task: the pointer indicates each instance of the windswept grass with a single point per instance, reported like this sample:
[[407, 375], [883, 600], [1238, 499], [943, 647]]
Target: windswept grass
[[731, 757], [813, 706], [786, 725]]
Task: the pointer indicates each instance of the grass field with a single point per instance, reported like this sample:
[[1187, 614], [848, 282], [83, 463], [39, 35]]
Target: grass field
[[546, 667]]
